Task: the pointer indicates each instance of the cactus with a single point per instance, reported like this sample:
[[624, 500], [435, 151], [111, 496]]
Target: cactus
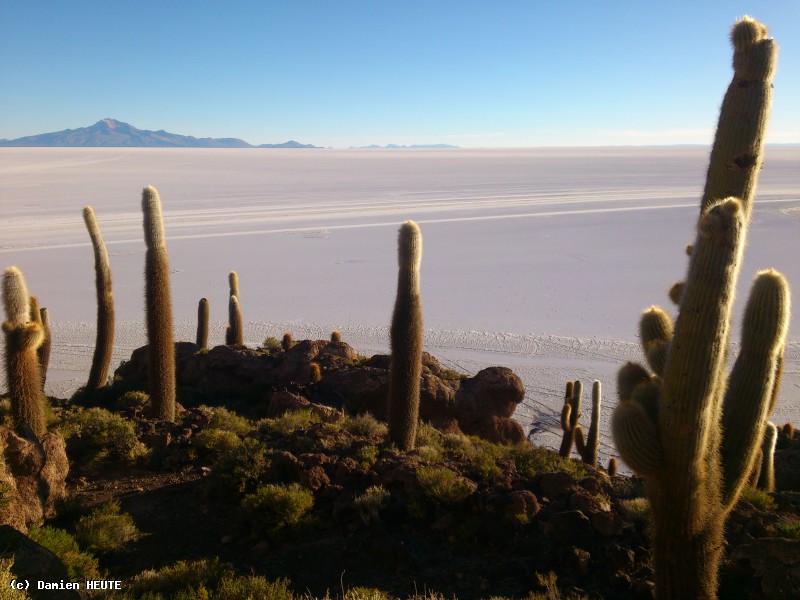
[[202, 324], [234, 335], [588, 449], [612, 467], [160, 340], [23, 336], [766, 477], [44, 350], [287, 342], [570, 414], [405, 369], [336, 336], [315, 373], [690, 432], [104, 340]]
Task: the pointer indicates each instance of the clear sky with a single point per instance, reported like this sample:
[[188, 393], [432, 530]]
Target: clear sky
[[345, 73]]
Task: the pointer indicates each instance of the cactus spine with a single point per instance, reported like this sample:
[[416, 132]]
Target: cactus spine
[[47, 344], [406, 341], [234, 335], [160, 341], [23, 338], [669, 428], [588, 449], [202, 324], [104, 341]]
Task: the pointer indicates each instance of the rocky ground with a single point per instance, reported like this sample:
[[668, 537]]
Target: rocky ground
[[475, 511]]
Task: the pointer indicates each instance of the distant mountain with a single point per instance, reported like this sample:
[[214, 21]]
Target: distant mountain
[[395, 146], [289, 144], [113, 133]]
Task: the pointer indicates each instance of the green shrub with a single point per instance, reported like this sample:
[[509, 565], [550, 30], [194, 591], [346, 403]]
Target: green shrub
[[365, 425], [443, 485], [428, 435], [106, 528], [80, 565], [240, 468], [271, 345], [216, 441], [227, 420], [451, 375], [638, 509], [531, 460], [366, 456], [277, 508], [788, 529], [137, 400], [368, 504], [182, 581], [288, 423], [758, 498], [101, 434]]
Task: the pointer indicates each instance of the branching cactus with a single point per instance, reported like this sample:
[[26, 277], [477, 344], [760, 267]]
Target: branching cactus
[[233, 284], [570, 415], [692, 432], [160, 336], [234, 335], [588, 449], [104, 340], [23, 336], [202, 324], [406, 341]]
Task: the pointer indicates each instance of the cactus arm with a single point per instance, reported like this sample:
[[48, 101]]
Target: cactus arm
[[233, 283], [104, 339], [580, 443], [752, 380], [593, 440], [405, 368], [738, 150], [44, 350], [158, 309], [637, 440], [766, 478], [235, 332]]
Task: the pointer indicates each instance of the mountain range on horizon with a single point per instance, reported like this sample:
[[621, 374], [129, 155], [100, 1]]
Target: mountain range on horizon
[[113, 133], [110, 133]]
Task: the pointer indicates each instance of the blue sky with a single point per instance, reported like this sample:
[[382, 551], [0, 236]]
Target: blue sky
[[349, 73]]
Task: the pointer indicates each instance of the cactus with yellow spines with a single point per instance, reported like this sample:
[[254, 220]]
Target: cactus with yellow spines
[[203, 315], [405, 368], [23, 337], [336, 336], [588, 449], [315, 374], [44, 350], [104, 340], [233, 284], [234, 335], [669, 428], [570, 414], [158, 304], [766, 476], [287, 341]]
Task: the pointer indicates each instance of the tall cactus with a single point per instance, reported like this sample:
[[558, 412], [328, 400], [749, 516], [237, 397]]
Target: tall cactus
[[104, 340], [588, 449], [23, 338], [202, 323], [406, 341], [158, 302], [690, 432]]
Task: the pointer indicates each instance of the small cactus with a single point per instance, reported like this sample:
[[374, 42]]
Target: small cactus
[[158, 304], [202, 324], [23, 338], [336, 336], [612, 467], [316, 374], [287, 341], [104, 340], [405, 368], [570, 415], [233, 284]]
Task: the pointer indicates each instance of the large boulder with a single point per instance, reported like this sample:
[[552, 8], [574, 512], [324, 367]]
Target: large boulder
[[35, 479]]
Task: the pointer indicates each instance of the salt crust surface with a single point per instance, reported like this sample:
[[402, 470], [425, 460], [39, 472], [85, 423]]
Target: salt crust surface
[[539, 260]]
